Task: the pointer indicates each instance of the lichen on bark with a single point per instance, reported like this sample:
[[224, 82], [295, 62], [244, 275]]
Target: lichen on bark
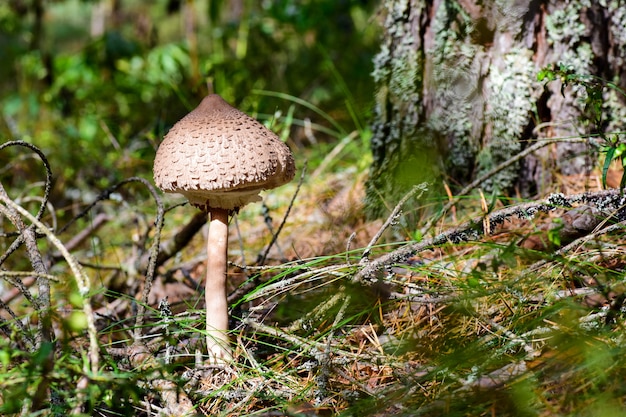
[[458, 94], [512, 94], [455, 78], [398, 71]]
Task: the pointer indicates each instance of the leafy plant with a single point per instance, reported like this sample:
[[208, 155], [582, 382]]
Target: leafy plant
[[594, 88]]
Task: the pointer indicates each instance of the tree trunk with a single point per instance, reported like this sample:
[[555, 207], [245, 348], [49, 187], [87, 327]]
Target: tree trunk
[[458, 91]]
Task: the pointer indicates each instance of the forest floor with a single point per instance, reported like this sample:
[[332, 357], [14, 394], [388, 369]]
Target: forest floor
[[512, 309], [501, 323]]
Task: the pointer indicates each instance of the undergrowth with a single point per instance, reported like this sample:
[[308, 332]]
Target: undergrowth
[[483, 310]]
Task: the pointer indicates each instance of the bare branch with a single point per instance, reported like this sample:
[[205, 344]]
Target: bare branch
[[84, 289], [282, 223], [393, 217], [465, 191], [606, 200]]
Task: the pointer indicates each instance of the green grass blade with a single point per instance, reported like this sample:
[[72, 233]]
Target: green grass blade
[[607, 163], [303, 103]]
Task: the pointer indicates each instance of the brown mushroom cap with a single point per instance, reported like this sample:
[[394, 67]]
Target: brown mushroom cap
[[219, 157]]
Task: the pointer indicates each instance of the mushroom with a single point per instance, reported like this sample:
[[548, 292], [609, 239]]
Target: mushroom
[[219, 158]]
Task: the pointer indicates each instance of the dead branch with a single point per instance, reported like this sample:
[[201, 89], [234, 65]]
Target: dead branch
[[263, 257], [27, 236], [46, 164], [465, 191], [573, 245], [393, 217], [606, 201], [99, 221], [181, 239], [154, 251]]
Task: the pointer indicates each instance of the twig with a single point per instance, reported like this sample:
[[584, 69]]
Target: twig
[[498, 378], [591, 236], [274, 288], [243, 266], [573, 245], [243, 290], [27, 235], [309, 347], [176, 401], [474, 228], [393, 217], [30, 342], [325, 360], [46, 164], [20, 286], [152, 260], [81, 280], [282, 223], [420, 299], [332, 154], [349, 246], [453, 202], [318, 311], [181, 239], [265, 212], [80, 237], [106, 194], [29, 238], [514, 339]]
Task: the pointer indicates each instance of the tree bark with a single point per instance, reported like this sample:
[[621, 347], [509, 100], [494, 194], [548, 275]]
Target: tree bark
[[458, 91]]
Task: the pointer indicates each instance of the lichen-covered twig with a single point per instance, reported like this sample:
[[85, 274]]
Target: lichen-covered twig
[[171, 247], [571, 246], [481, 179], [606, 200], [309, 347], [46, 164], [98, 221], [92, 365], [154, 251], [393, 217], [27, 236], [82, 280]]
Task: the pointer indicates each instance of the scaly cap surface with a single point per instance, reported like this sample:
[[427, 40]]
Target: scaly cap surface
[[219, 157]]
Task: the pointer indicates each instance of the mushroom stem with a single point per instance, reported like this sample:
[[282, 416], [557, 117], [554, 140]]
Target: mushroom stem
[[215, 287]]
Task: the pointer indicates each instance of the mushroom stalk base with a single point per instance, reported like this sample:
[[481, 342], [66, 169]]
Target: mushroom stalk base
[[218, 345]]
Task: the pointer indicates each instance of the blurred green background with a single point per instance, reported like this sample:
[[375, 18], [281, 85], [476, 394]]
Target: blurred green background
[[96, 84]]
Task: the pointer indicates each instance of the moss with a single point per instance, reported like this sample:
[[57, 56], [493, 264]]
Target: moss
[[398, 69], [617, 13], [462, 113], [614, 107], [614, 104]]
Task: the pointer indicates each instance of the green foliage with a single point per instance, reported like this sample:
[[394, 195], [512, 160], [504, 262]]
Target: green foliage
[[23, 374], [442, 329], [99, 103], [595, 111]]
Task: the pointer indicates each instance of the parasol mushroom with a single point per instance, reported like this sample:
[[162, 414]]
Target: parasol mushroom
[[219, 158]]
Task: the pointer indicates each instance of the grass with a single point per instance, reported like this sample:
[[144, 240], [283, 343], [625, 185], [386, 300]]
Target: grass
[[335, 322]]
